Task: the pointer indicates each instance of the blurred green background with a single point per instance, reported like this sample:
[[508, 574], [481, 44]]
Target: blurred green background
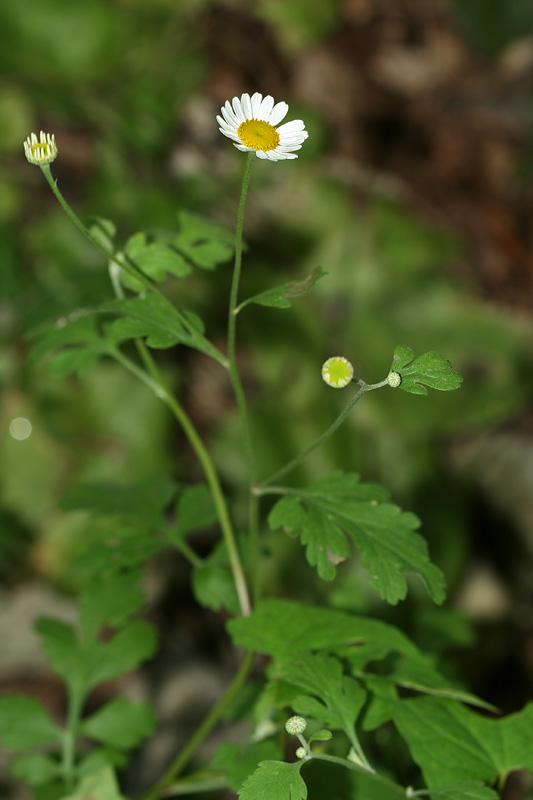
[[413, 192]]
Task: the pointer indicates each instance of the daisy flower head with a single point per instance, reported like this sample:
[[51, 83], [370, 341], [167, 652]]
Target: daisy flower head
[[337, 372], [250, 122], [40, 151]]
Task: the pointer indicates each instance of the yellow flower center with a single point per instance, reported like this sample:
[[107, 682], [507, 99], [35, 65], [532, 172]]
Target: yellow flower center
[[337, 372], [41, 149], [258, 135]]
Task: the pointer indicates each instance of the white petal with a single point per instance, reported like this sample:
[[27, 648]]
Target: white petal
[[261, 154], [256, 104], [266, 107], [230, 135], [246, 104], [243, 148], [237, 109], [289, 148], [277, 113], [229, 114], [291, 127]]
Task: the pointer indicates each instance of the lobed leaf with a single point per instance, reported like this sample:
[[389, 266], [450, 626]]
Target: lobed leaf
[[144, 500], [101, 785], [159, 323], [202, 242], [36, 770], [194, 511], [274, 780], [452, 743], [155, 259], [281, 296], [120, 723], [239, 761], [75, 341], [24, 723], [123, 546], [385, 535], [431, 369], [109, 601], [332, 697]]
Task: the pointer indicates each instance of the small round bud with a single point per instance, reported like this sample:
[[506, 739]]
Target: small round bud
[[40, 151], [394, 379], [301, 752], [337, 372], [295, 725]]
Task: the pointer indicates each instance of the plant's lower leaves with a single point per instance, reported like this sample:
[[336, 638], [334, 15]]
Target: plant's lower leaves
[[120, 724], [332, 697], [109, 601], [385, 535], [36, 770], [101, 785], [283, 628], [144, 500], [24, 723], [239, 761], [195, 510], [274, 780], [75, 341], [451, 743], [123, 546]]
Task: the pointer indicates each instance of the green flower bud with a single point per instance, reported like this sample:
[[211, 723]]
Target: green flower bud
[[301, 752], [295, 725], [394, 379]]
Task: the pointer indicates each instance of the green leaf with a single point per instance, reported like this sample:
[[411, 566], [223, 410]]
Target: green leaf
[[104, 232], [274, 780], [84, 666], [132, 645], [321, 736], [213, 587], [145, 500], [155, 320], [239, 761], [35, 770], [431, 369], [282, 628], [452, 743], [194, 511], [101, 785], [334, 698], [109, 601], [120, 723], [124, 547], [24, 723], [203, 243], [62, 650], [384, 534], [155, 259], [101, 757], [280, 296], [78, 340]]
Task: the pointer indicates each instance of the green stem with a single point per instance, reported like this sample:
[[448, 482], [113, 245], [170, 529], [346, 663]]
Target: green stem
[[364, 387], [126, 264], [156, 384], [202, 731], [75, 704], [253, 505]]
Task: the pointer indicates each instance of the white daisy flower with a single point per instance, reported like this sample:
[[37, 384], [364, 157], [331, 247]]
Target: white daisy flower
[[41, 151], [251, 123]]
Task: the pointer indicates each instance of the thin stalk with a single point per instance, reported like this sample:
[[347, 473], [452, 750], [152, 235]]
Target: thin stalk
[[202, 731], [156, 384], [126, 264], [75, 703], [253, 505], [293, 463]]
